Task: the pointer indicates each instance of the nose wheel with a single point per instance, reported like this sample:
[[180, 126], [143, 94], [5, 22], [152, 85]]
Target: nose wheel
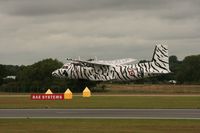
[[65, 73]]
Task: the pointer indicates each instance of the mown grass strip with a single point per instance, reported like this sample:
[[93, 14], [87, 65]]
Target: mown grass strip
[[149, 102], [98, 126]]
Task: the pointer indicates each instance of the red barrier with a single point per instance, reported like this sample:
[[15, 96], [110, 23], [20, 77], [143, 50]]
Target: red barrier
[[47, 96]]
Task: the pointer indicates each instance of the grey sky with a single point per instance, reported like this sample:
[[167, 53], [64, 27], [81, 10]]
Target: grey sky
[[31, 30]]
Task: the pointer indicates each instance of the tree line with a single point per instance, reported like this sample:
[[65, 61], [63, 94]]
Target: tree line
[[37, 77]]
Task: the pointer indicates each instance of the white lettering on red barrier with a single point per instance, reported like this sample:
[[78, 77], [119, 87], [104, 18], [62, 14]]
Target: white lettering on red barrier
[[47, 96]]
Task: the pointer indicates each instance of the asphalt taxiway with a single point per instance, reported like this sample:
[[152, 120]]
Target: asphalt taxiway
[[102, 113]]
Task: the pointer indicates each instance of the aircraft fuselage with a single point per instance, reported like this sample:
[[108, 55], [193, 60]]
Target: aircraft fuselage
[[98, 71]]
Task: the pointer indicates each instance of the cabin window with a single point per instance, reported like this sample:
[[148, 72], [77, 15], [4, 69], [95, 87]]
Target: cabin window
[[65, 67]]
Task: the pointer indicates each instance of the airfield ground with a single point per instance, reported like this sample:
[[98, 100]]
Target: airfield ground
[[120, 102], [98, 126], [151, 89], [131, 96], [137, 89], [117, 96]]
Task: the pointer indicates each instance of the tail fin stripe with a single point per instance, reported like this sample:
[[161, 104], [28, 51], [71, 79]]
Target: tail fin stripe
[[157, 64], [158, 55], [162, 61], [154, 67], [162, 52], [164, 48]]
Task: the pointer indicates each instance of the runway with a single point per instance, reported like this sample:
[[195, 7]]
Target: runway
[[102, 113]]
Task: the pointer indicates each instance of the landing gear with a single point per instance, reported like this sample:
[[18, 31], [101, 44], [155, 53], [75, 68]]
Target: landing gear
[[79, 85]]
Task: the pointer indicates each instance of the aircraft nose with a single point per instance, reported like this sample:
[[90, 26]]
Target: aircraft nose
[[55, 73]]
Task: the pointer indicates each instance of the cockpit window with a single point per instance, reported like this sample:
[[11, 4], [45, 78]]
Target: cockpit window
[[65, 67]]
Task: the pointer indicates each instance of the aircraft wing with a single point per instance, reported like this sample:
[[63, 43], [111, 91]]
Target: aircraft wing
[[87, 63], [118, 61], [102, 62]]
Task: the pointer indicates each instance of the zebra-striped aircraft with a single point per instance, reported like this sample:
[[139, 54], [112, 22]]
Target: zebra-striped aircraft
[[118, 70]]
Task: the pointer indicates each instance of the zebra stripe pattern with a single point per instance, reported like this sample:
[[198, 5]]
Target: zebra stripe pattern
[[158, 65]]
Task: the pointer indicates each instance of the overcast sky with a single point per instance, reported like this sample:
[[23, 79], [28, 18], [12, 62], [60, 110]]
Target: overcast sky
[[31, 30]]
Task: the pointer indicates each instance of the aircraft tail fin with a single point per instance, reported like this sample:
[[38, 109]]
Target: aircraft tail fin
[[161, 58]]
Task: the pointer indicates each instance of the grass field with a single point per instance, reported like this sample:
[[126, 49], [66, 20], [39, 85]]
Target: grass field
[[192, 102], [116, 101], [137, 89], [152, 89], [98, 126]]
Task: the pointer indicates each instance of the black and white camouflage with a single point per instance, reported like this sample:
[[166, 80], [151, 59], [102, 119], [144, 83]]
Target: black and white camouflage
[[116, 70]]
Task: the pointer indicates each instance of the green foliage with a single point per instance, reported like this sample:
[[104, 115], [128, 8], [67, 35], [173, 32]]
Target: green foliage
[[40, 71], [186, 71], [38, 77], [7, 70], [189, 71], [32, 78], [2, 70]]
